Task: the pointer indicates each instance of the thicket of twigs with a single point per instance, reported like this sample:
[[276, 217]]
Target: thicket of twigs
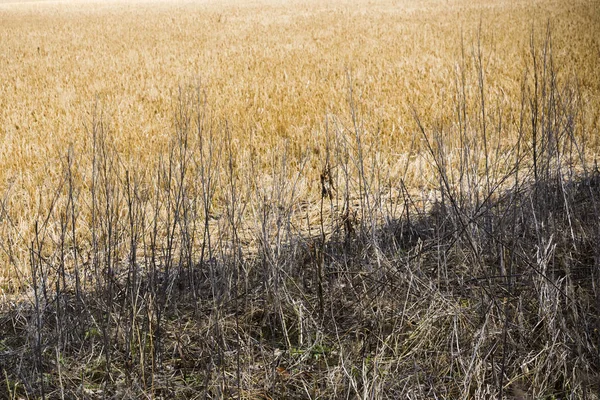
[[206, 279]]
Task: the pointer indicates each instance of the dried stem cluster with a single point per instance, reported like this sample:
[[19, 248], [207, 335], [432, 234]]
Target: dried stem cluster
[[343, 239]]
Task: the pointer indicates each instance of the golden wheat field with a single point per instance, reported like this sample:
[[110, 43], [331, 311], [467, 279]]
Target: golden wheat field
[[274, 73], [299, 199]]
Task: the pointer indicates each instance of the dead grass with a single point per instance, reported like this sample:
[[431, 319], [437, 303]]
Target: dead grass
[[300, 200]]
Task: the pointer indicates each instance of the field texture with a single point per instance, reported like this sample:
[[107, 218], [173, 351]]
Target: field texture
[[300, 199], [270, 70]]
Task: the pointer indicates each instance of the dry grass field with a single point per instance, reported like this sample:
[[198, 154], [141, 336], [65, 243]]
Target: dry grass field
[[299, 199], [272, 70]]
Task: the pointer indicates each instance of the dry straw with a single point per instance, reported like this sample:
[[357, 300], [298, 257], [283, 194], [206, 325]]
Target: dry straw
[[308, 200]]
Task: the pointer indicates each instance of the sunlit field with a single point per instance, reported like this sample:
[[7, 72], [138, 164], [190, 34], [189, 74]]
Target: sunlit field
[[299, 199], [272, 71]]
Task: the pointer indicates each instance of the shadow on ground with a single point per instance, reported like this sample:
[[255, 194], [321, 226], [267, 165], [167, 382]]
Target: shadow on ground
[[497, 297]]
